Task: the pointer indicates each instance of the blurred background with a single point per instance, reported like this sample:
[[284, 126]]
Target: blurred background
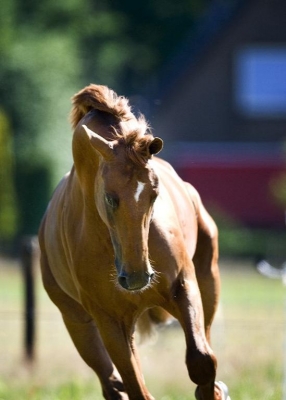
[[210, 77]]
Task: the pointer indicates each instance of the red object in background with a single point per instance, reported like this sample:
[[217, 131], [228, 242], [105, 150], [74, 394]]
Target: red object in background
[[241, 192], [236, 179]]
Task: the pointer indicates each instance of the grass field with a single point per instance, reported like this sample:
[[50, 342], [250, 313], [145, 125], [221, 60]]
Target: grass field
[[248, 339]]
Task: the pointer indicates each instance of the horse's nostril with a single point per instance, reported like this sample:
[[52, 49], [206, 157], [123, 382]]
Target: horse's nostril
[[135, 281]]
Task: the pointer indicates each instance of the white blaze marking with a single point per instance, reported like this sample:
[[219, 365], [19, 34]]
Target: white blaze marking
[[139, 190]]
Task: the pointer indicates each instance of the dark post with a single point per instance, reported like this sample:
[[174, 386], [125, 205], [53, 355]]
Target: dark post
[[29, 248]]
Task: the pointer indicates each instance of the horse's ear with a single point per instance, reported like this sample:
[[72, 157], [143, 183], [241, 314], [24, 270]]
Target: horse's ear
[[156, 145], [103, 146]]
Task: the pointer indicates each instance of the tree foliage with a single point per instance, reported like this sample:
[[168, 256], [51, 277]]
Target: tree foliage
[[8, 208]]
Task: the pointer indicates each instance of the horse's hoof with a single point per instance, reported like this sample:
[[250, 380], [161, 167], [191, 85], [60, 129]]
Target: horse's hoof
[[221, 387], [224, 390]]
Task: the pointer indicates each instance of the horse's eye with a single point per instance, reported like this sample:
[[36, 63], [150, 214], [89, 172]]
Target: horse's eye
[[111, 201]]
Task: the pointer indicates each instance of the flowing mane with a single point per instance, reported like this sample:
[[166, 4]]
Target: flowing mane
[[99, 97], [133, 132]]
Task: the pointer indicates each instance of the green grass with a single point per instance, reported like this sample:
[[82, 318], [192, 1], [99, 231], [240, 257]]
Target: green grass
[[254, 313], [69, 390], [248, 339]]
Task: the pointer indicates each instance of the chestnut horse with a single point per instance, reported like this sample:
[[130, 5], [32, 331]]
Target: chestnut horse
[[124, 239]]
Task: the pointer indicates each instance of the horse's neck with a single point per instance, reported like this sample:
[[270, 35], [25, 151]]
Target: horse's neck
[[80, 198]]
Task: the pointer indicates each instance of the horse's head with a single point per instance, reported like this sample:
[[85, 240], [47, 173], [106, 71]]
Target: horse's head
[[125, 191]]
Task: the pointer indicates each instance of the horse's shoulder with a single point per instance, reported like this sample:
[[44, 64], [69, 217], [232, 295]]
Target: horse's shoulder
[[161, 163], [165, 170]]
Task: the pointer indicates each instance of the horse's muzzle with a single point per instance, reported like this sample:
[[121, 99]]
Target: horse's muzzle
[[135, 280]]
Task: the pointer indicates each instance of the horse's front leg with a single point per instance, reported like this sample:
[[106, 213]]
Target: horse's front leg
[[117, 335], [201, 362], [85, 336]]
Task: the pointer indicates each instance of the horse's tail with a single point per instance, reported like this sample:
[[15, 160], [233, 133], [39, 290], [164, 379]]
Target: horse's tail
[[101, 98], [147, 321]]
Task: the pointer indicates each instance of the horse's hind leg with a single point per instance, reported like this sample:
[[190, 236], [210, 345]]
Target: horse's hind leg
[[86, 337]]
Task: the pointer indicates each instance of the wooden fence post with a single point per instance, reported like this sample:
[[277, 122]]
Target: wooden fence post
[[29, 250]]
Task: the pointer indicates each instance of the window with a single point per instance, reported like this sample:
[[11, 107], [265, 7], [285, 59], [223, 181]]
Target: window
[[260, 81]]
